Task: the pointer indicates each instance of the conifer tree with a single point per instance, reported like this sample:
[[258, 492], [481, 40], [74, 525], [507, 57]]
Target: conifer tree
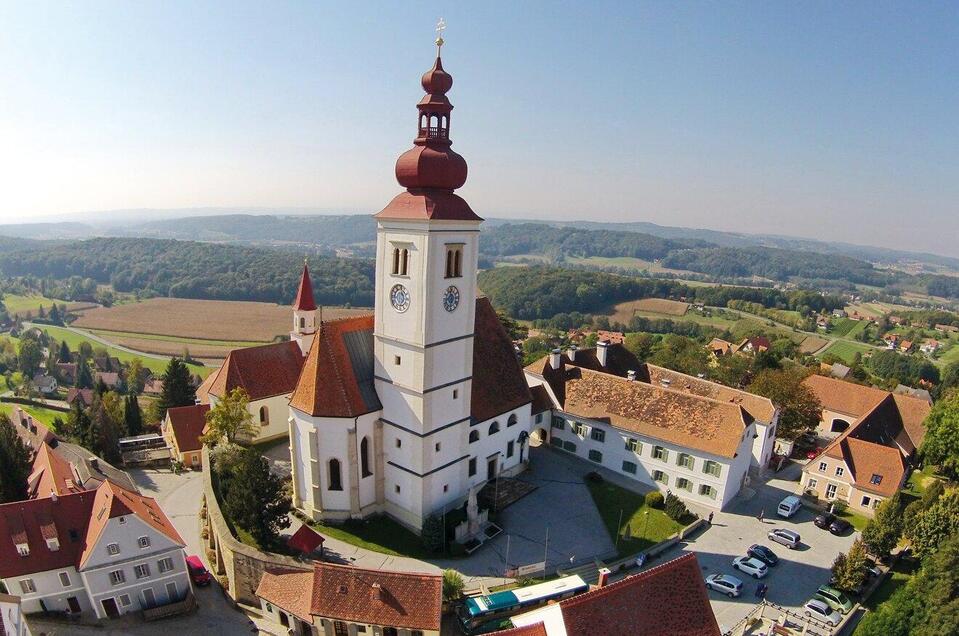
[[133, 416], [15, 460], [178, 389]]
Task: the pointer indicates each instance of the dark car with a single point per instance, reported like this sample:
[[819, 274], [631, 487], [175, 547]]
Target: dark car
[[839, 526], [824, 520], [763, 553]]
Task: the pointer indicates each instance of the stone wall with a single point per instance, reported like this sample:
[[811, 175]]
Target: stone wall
[[242, 565]]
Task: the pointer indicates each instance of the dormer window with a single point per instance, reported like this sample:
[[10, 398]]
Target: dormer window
[[876, 479], [23, 549], [454, 260], [53, 544], [113, 548]]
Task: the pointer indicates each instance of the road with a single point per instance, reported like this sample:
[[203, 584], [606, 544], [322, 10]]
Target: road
[[103, 341]]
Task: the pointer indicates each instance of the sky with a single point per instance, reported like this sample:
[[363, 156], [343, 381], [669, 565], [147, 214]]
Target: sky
[[825, 120]]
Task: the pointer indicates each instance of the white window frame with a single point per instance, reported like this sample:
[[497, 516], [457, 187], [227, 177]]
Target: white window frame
[[822, 467], [165, 565], [143, 542], [117, 577], [143, 568], [27, 586], [113, 548], [840, 471], [832, 487]]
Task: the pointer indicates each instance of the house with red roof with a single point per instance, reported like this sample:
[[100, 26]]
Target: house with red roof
[[102, 552], [182, 429], [341, 599], [667, 600]]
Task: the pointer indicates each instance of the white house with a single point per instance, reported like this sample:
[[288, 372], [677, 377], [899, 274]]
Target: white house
[[405, 410], [104, 552], [671, 438], [12, 621]]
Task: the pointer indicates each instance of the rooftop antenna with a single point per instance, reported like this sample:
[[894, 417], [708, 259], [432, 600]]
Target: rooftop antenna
[[440, 27]]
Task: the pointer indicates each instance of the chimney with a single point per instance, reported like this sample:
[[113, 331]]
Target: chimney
[[377, 592], [571, 352], [554, 358], [601, 348], [53, 495], [631, 375]]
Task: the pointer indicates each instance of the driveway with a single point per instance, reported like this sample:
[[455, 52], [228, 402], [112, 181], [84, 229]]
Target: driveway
[[794, 580]]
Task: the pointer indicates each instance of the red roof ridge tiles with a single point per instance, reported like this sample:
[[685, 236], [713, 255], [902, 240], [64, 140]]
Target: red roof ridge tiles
[[304, 293]]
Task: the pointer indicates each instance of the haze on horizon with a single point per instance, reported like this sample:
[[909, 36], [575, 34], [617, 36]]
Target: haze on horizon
[[820, 121]]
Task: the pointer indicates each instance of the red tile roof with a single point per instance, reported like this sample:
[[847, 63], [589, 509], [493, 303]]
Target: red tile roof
[[840, 396], [85, 396], [187, 423], [341, 592], [305, 539], [288, 590], [304, 294], [379, 597], [428, 205], [866, 460], [263, 371], [759, 407], [667, 600], [52, 474], [498, 383], [31, 431], [328, 385], [21, 522], [536, 629], [541, 400]]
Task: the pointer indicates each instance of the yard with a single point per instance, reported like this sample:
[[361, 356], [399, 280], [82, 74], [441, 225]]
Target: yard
[[42, 415], [380, 534], [621, 508], [846, 351]]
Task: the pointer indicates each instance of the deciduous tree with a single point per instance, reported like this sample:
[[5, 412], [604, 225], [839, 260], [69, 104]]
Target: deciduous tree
[[799, 408], [849, 570], [941, 444], [882, 532], [230, 419], [933, 526], [29, 357]]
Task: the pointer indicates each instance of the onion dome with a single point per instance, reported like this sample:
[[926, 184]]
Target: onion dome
[[430, 170]]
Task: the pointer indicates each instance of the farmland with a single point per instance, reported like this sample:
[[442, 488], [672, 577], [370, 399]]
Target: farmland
[[846, 350], [811, 344], [624, 312], [19, 305], [225, 322]]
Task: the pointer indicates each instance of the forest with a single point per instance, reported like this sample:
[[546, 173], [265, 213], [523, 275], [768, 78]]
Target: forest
[[187, 269]]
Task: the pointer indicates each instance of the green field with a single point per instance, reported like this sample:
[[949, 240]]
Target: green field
[[235, 344], [17, 304], [620, 508], [846, 351], [950, 356], [74, 340], [40, 414], [635, 264], [842, 326]]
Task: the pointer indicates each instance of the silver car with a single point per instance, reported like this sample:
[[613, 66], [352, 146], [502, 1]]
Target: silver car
[[785, 537], [814, 608], [728, 585]]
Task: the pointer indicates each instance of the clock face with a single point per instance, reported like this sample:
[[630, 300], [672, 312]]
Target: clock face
[[451, 299], [400, 298]]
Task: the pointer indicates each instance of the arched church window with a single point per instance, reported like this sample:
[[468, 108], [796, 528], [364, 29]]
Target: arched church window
[[302, 323], [494, 428], [264, 415], [334, 482], [474, 436], [512, 420], [405, 262], [365, 457], [396, 261], [458, 263], [454, 261]]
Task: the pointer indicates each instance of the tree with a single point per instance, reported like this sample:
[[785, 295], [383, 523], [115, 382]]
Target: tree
[[178, 389], [256, 499], [731, 370], [675, 508], [849, 570], [799, 408], [133, 416], [682, 354], [453, 585], [79, 426], [65, 355], [230, 419], [515, 330], [134, 376], [941, 444], [105, 430], [640, 344], [84, 378], [29, 357], [933, 526], [15, 459], [882, 532], [433, 533]]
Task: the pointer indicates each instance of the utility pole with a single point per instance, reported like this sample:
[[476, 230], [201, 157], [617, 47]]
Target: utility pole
[[506, 571], [546, 553]]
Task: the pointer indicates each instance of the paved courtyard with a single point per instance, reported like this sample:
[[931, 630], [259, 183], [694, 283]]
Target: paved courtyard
[[794, 580]]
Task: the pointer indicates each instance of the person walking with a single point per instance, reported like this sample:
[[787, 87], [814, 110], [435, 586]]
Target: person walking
[[762, 515], [709, 519]]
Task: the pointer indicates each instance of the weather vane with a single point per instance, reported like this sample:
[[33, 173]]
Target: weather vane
[[440, 27]]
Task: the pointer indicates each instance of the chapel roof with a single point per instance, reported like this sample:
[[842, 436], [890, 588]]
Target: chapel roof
[[263, 371]]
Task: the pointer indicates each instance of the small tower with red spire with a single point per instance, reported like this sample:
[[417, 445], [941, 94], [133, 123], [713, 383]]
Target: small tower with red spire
[[304, 312]]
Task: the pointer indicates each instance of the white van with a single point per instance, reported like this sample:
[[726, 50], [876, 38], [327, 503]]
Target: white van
[[789, 506]]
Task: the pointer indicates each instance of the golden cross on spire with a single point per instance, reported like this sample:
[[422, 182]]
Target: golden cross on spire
[[440, 27]]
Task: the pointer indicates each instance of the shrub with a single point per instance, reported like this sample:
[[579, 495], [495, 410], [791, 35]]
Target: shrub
[[675, 508], [453, 585], [432, 533], [655, 499]]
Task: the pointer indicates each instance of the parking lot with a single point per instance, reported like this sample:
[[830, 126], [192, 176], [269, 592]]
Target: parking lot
[[794, 580]]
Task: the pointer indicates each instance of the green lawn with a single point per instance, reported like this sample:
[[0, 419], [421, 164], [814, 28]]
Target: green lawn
[[236, 344], [380, 534], [846, 351], [40, 414], [857, 328], [18, 304], [900, 574], [647, 526], [858, 521], [950, 355], [73, 340]]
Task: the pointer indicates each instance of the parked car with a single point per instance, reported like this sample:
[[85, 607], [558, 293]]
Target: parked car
[[839, 527], [728, 585], [814, 453], [785, 537], [753, 567], [199, 574], [834, 598], [789, 506], [824, 520], [763, 553], [872, 569], [819, 610]]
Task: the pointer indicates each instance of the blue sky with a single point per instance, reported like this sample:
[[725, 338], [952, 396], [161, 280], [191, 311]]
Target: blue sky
[[810, 118]]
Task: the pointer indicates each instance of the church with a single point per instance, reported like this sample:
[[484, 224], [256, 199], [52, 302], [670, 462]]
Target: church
[[403, 411]]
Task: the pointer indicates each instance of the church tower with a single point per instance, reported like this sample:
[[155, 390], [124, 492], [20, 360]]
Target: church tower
[[304, 313], [426, 262]]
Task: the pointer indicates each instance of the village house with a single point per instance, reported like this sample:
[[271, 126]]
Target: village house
[[754, 344], [341, 600], [878, 433], [718, 347], [665, 429], [45, 384], [102, 552], [83, 397], [906, 346], [12, 620], [930, 346], [182, 429], [947, 328], [67, 371], [667, 599], [612, 337]]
